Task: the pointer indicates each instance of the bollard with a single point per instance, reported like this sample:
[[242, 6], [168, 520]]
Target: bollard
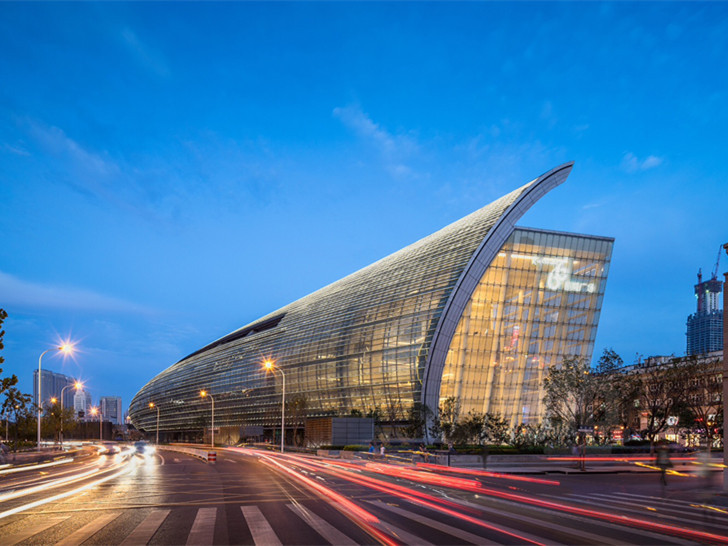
[[211, 456]]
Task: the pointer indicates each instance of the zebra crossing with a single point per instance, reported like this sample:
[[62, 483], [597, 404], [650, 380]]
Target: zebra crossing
[[413, 525], [667, 509], [201, 533]]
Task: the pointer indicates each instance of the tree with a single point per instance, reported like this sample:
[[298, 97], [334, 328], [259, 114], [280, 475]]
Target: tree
[[621, 389], [55, 420], [443, 424], [3, 316], [469, 429], [610, 362], [5, 382], [417, 421], [573, 394], [661, 394], [576, 398], [296, 416], [16, 404], [703, 396], [393, 412], [375, 414], [495, 429]]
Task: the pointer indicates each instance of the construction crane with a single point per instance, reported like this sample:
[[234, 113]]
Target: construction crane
[[717, 263]]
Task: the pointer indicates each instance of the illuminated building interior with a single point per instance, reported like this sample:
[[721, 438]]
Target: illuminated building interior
[[538, 301]]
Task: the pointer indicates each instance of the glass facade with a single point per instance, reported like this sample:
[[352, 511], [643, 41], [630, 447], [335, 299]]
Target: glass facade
[[364, 342], [538, 301]]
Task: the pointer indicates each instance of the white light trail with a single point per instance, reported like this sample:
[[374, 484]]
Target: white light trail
[[131, 464], [35, 466]]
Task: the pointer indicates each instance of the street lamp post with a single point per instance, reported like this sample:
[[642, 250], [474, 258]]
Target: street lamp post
[[77, 385], [152, 405], [212, 429], [94, 411], [65, 348], [53, 401], [269, 365]]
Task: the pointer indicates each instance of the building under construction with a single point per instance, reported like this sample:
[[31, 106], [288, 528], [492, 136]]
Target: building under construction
[[705, 327]]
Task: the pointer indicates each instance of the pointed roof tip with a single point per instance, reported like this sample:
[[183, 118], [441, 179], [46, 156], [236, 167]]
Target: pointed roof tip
[[564, 166], [551, 179]]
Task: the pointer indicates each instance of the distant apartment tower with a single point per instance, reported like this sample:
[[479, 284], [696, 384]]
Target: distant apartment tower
[[51, 384], [82, 403], [705, 327], [111, 409]]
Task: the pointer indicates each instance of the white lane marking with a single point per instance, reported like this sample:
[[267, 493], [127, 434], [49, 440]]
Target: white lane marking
[[588, 521], [548, 523], [687, 515], [144, 532], [20, 536], [445, 528], [658, 500], [263, 534], [321, 526], [88, 530], [203, 529]]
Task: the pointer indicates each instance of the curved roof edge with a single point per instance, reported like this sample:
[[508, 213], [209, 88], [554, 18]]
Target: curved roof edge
[[474, 271]]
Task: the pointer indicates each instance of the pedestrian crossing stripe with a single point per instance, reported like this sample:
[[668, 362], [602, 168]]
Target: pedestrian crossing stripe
[[259, 527], [203, 527], [144, 532]]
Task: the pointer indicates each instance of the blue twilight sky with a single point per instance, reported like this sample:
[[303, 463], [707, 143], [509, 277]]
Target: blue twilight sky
[[170, 172]]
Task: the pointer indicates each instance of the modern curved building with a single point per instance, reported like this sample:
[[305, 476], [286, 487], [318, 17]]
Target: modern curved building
[[478, 311]]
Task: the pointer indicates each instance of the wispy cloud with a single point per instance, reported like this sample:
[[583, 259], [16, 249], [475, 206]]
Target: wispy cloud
[[633, 164], [88, 171], [149, 191], [149, 58], [16, 150], [18, 292], [159, 188], [395, 149]]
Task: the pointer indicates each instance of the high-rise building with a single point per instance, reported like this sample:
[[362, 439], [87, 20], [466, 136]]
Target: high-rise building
[[51, 384], [111, 409], [705, 326], [82, 403]]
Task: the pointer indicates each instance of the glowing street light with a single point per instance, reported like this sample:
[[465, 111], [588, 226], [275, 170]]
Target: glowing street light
[[76, 385], [269, 365], [66, 349], [212, 429], [152, 405]]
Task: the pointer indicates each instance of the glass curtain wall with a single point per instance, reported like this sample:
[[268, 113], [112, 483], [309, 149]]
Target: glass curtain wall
[[359, 344], [538, 301]]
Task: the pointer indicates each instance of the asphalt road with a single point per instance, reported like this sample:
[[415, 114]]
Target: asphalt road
[[266, 499]]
